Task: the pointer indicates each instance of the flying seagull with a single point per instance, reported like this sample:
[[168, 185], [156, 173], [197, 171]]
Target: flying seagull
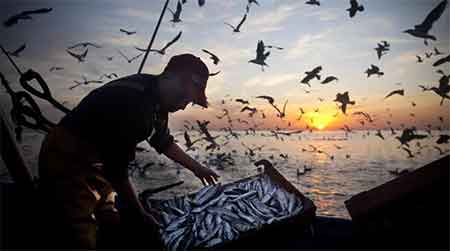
[[162, 51], [354, 7], [260, 55], [127, 32], [313, 2], [310, 75], [129, 59], [329, 79], [344, 99], [214, 58], [16, 52], [176, 14], [237, 28], [399, 92], [421, 30], [80, 57], [24, 15], [84, 45], [374, 70], [442, 61]]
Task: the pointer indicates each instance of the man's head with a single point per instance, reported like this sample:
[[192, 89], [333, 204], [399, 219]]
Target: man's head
[[184, 81]]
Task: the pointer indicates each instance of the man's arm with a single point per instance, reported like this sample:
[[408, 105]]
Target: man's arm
[[175, 153]]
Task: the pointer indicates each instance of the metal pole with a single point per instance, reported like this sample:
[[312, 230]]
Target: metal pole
[[10, 60], [153, 37]]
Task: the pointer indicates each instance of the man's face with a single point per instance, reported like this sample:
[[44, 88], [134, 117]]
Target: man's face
[[182, 94]]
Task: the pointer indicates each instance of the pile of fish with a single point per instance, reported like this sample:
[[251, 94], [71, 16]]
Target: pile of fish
[[221, 213]]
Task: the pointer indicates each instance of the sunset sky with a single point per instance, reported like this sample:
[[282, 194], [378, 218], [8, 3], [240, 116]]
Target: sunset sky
[[310, 35]]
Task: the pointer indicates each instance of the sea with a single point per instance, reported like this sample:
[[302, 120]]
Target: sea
[[328, 167]]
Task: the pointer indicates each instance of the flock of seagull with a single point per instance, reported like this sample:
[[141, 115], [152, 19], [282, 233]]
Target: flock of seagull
[[79, 51]]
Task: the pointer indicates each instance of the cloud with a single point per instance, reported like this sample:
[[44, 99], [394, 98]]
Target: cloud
[[273, 80]]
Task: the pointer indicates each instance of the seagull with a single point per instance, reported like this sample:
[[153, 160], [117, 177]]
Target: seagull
[[188, 143], [329, 79], [410, 155], [200, 2], [379, 134], [213, 73], [177, 13], [421, 30], [163, 50], [249, 3], [311, 74], [17, 51], [442, 61], [408, 135], [380, 49], [24, 15], [344, 100], [354, 7], [374, 70], [273, 47], [313, 2], [399, 92], [437, 52], [127, 32], [84, 45], [85, 82], [419, 59], [242, 101], [238, 27], [260, 55], [80, 57], [109, 76], [251, 109], [443, 139], [428, 55], [55, 68], [443, 89], [214, 58], [365, 114], [129, 59]]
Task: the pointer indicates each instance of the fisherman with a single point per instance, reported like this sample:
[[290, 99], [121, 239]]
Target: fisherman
[[83, 160]]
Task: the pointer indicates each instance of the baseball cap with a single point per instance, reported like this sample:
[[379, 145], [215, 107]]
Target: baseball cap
[[200, 73]]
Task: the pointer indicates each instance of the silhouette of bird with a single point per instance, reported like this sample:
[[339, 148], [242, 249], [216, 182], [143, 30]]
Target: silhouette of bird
[[242, 101], [311, 74], [201, 2], [16, 52], [379, 134], [109, 76], [238, 27], [55, 68], [344, 100], [398, 92], [408, 135], [129, 60], [260, 55], [188, 143], [127, 32], [365, 114], [214, 58], [354, 7], [109, 58], [249, 3], [162, 51], [85, 82], [443, 139], [313, 2], [24, 15], [214, 73], [84, 45], [428, 55], [437, 52], [443, 89], [374, 70], [80, 57], [419, 59], [421, 30], [268, 98], [273, 47], [442, 61], [441, 152], [382, 48], [176, 14], [424, 88], [252, 110], [329, 79], [410, 155]]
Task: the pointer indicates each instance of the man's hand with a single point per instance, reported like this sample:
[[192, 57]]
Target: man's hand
[[206, 175]]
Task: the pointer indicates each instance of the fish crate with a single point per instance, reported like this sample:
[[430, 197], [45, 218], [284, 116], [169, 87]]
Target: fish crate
[[273, 235]]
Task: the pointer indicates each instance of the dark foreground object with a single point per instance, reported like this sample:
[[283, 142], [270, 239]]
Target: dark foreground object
[[411, 211]]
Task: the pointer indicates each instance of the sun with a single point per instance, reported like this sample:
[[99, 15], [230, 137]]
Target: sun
[[320, 122], [320, 126]]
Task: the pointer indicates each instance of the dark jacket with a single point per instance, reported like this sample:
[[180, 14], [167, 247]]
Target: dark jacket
[[117, 116]]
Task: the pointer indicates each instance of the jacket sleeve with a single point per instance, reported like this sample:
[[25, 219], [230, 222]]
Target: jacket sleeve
[[161, 139]]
